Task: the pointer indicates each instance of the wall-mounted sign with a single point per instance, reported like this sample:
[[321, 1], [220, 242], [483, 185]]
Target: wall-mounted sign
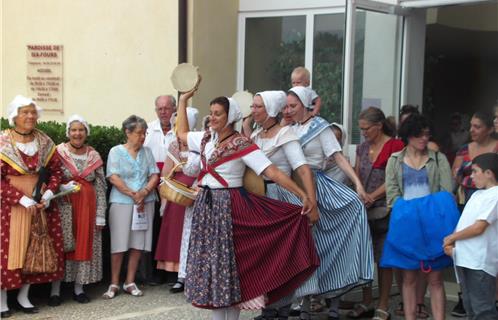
[[44, 76]]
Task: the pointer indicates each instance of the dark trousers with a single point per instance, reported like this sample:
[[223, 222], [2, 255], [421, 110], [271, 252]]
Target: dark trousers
[[478, 294]]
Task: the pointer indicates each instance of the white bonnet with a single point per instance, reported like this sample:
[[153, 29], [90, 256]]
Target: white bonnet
[[304, 94], [19, 102], [77, 118], [234, 113], [274, 101]]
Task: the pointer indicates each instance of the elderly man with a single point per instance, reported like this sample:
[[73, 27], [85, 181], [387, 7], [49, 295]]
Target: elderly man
[[159, 135]]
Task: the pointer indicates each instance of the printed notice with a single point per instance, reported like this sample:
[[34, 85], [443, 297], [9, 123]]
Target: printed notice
[[44, 75]]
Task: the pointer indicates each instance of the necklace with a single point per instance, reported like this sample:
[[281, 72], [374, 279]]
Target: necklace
[[301, 123], [75, 147], [265, 130], [24, 134], [217, 144]]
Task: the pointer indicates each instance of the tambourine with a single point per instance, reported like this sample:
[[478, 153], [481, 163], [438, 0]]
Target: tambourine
[[185, 77], [244, 100]]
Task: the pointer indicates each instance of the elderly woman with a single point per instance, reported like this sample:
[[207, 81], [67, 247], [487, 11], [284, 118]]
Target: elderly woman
[[170, 236], [371, 161], [133, 173], [415, 173], [341, 234], [244, 249], [82, 213], [26, 153]]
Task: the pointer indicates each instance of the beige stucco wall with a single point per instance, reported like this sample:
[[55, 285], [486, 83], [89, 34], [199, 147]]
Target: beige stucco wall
[[118, 54], [212, 31]]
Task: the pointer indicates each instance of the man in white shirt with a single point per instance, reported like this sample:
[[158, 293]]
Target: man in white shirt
[[159, 136], [159, 133]]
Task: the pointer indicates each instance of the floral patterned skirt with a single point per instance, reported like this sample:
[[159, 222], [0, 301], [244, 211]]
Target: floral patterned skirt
[[243, 246]]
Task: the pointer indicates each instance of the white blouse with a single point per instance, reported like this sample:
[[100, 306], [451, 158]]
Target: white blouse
[[319, 148], [232, 171], [283, 149], [29, 148]]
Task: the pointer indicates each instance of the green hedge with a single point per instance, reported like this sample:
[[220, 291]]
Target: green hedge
[[102, 138]]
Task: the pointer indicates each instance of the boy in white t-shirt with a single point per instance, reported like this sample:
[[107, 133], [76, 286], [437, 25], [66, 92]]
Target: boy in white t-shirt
[[300, 77], [474, 244]]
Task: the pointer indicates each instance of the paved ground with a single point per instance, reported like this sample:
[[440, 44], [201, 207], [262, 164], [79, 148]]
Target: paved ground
[[157, 303]]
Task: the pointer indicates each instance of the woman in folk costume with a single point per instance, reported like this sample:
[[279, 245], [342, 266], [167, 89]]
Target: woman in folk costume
[[244, 249], [82, 213], [341, 235], [170, 236], [281, 145], [26, 153], [192, 168]]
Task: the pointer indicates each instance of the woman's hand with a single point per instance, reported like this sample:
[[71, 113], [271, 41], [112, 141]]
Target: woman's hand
[[189, 94], [369, 200], [308, 205], [139, 196], [313, 216], [365, 197]]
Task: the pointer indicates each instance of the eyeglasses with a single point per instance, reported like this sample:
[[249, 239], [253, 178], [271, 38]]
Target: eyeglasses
[[165, 109], [365, 129]]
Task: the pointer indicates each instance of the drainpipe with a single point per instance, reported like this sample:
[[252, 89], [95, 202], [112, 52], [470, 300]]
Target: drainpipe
[[182, 31]]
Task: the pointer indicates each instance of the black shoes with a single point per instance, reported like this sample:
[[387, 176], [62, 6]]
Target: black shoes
[[177, 288], [6, 314], [54, 301], [81, 298], [459, 310], [28, 310]]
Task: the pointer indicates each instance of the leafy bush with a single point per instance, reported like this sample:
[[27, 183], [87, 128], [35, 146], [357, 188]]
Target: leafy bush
[[102, 138]]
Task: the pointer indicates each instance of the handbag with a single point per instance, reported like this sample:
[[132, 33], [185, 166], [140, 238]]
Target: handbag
[[40, 255]]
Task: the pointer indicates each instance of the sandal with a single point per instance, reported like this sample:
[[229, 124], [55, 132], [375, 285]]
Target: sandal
[[135, 291], [111, 292], [381, 315], [360, 310], [400, 311], [422, 312]]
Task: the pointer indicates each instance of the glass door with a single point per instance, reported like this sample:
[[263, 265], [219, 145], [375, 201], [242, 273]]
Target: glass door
[[372, 61]]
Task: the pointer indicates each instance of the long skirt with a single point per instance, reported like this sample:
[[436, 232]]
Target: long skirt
[[170, 236], [342, 239], [243, 246], [187, 227]]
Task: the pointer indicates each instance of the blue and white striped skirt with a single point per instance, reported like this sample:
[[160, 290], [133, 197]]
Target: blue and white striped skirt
[[342, 239]]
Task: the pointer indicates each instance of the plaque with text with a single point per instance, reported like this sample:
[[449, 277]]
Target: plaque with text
[[44, 75]]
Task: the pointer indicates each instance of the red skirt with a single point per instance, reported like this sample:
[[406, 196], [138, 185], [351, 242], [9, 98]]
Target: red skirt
[[243, 246], [170, 235]]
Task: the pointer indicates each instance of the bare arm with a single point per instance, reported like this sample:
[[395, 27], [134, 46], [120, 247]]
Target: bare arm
[[116, 181], [471, 231], [182, 128], [457, 163], [306, 176], [246, 126], [345, 166], [317, 106]]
